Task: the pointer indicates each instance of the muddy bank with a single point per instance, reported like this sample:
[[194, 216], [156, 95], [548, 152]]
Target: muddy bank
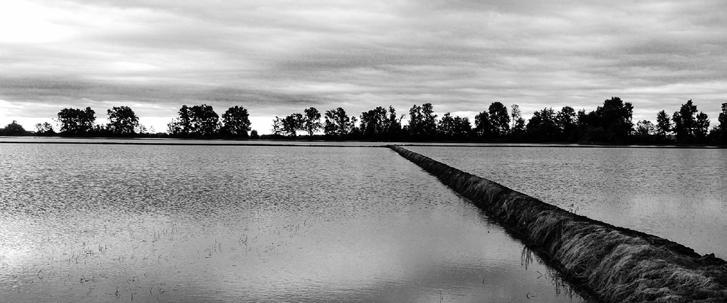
[[614, 263]]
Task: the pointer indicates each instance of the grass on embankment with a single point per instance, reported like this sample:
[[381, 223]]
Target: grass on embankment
[[616, 264]]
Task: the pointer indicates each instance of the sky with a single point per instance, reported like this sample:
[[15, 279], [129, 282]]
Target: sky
[[279, 57]]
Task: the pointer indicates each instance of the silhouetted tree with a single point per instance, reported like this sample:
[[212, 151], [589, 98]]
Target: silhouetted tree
[[663, 125], [518, 131], [701, 128], [76, 122], [446, 125], [610, 123], [182, 125], [393, 124], [122, 120], [722, 129], [254, 135], [518, 123], [422, 121], [373, 122], [566, 121], [685, 122], [454, 127], [312, 120], [293, 123], [338, 123], [380, 123], [236, 122], [197, 121], [615, 116], [645, 132], [483, 125], [44, 129], [13, 129], [205, 121], [543, 126], [499, 119]]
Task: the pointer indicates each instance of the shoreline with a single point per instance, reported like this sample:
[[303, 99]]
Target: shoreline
[[326, 143]]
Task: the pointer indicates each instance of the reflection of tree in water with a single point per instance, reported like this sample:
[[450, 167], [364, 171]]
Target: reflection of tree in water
[[559, 283]]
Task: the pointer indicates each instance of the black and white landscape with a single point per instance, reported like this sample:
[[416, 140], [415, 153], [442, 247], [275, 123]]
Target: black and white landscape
[[363, 151]]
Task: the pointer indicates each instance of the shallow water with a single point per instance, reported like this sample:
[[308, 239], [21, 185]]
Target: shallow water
[[90, 223], [678, 194]]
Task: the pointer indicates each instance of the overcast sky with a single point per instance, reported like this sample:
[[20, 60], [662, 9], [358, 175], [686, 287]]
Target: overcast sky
[[277, 57]]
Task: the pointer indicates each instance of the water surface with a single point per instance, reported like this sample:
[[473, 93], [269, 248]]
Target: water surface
[[676, 193], [116, 223]]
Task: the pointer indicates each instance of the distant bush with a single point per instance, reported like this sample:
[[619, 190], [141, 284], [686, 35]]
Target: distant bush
[[14, 129]]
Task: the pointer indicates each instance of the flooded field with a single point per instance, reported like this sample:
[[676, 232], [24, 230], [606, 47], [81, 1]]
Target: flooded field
[[678, 194], [97, 223]]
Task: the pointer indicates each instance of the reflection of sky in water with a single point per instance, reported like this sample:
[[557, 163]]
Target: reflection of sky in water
[[229, 224], [678, 194]]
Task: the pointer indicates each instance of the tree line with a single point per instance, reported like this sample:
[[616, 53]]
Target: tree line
[[198, 121], [610, 123]]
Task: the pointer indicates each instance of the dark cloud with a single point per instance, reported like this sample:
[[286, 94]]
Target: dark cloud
[[277, 57]]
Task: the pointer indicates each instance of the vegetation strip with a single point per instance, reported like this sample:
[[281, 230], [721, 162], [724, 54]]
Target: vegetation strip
[[616, 264], [608, 124]]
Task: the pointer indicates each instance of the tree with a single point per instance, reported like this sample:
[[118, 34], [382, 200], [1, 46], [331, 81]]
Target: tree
[[515, 114], [44, 129], [373, 122], [615, 118], [293, 123], [429, 124], [76, 122], [701, 128], [380, 123], [196, 121], [566, 121], [543, 126], [454, 127], [499, 118], [278, 126], [122, 120], [354, 131], [446, 126], [312, 120], [422, 121], [13, 129], [685, 122], [610, 123], [462, 127], [518, 129], [645, 128], [338, 123], [205, 121], [483, 125], [663, 124], [236, 122], [183, 124], [392, 124], [722, 129], [254, 135]]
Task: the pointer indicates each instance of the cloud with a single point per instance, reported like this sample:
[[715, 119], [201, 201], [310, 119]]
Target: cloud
[[278, 57]]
